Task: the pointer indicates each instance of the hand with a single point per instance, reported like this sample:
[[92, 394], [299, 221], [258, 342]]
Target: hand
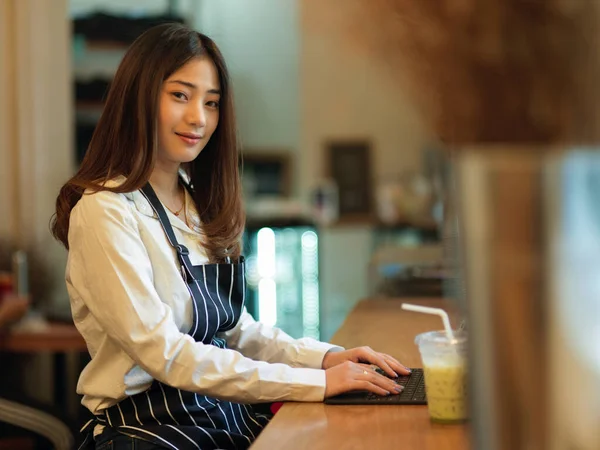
[[385, 362], [350, 376]]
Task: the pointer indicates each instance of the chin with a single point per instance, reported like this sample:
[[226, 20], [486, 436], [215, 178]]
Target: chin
[[189, 154], [189, 158]]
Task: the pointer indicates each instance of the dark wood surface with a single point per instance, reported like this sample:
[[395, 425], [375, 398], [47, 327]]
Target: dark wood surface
[[58, 337]]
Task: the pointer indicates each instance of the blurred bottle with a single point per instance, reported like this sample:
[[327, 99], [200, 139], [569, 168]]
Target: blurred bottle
[[20, 270], [325, 202]]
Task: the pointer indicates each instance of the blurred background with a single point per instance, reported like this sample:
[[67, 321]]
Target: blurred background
[[344, 186], [333, 152]]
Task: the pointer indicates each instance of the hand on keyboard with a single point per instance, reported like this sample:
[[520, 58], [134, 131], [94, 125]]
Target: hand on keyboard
[[366, 355], [413, 393], [351, 376]]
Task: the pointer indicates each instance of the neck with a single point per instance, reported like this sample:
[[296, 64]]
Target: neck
[[166, 181]]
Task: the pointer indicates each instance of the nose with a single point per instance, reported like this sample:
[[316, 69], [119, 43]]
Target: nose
[[197, 116]]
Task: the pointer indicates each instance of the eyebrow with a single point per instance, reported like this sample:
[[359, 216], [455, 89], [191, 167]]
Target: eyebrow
[[193, 86]]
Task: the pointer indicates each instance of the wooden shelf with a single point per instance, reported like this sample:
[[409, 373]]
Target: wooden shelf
[[368, 220], [106, 45], [424, 254], [423, 224], [354, 220], [89, 106], [57, 337]]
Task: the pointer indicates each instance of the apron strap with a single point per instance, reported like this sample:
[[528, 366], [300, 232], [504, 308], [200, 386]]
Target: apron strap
[[188, 187], [182, 250]]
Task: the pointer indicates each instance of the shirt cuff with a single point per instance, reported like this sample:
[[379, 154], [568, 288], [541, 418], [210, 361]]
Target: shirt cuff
[[312, 355], [308, 385]]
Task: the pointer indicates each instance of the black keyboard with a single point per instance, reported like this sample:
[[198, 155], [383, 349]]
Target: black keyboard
[[413, 393]]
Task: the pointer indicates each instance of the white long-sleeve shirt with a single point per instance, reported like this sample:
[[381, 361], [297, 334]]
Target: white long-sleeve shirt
[[132, 307]]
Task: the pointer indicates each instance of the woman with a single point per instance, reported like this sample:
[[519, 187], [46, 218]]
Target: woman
[[155, 276]]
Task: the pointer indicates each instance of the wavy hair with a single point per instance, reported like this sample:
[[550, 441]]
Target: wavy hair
[[125, 139]]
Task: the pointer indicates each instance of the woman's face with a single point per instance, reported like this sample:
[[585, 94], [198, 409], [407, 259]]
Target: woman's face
[[188, 112]]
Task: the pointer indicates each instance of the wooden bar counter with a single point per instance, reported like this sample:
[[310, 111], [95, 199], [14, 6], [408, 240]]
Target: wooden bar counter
[[382, 325]]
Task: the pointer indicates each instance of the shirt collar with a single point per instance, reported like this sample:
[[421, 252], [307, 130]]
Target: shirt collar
[[143, 206]]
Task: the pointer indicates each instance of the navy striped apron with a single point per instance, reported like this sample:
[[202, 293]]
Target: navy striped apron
[[176, 419]]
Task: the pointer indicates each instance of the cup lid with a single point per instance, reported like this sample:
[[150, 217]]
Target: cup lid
[[440, 337]]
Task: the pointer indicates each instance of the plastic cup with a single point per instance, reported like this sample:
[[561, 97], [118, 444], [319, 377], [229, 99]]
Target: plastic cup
[[445, 368]]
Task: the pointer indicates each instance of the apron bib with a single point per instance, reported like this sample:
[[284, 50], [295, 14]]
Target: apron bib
[[177, 419]]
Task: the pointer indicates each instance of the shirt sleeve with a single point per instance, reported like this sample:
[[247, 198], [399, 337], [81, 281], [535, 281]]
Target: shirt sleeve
[[114, 278], [264, 343]]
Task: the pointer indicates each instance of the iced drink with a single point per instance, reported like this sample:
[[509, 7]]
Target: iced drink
[[444, 364]]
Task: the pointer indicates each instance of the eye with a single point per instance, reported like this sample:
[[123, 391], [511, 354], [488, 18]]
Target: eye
[[179, 95], [213, 104]]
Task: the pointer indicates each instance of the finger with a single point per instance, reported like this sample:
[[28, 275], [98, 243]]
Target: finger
[[377, 388], [375, 378], [374, 388], [364, 366], [368, 355], [369, 368], [372, 369], [391, 358], [396, 365], [384, 365]]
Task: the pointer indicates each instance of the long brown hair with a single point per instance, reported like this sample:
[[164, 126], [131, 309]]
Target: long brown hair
[[125, 139]]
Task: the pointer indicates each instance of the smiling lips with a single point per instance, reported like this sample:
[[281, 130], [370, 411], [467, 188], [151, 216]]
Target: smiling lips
[[189, 138]]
